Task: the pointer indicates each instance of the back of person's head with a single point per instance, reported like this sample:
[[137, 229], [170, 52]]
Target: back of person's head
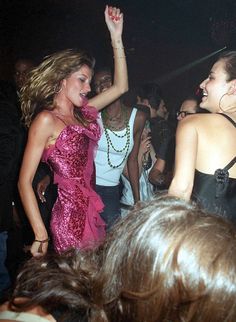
[[103, 69], [152, 92], [192, 97], [58, 283], [169, 261], [44, 81], [229, 58]]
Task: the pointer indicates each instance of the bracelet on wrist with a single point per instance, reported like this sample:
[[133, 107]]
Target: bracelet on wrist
[[117, 44], [42, 241], [119, 56]]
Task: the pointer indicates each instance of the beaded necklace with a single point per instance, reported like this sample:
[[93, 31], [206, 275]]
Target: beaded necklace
[[111, 145]]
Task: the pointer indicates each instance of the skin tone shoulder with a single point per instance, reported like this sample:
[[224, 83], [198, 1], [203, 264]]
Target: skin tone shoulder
[[46, 127], [201, 138]]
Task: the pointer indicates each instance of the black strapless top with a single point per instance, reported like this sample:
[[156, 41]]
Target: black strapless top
[[205, 191]]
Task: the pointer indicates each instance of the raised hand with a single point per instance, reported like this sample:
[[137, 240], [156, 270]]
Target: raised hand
[[114, 21]]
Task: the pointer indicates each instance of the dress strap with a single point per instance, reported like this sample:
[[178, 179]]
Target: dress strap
[[222, 179], [228, 118], [230, 164], [132, 116]]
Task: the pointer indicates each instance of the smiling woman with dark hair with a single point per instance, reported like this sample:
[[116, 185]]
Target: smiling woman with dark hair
[[205, 168]]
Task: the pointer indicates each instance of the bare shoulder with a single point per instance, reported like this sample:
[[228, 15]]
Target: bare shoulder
[[212, 121], [45, 117], [139, 122], [140, 116], [198, 120], [44, 121], [189, 122]]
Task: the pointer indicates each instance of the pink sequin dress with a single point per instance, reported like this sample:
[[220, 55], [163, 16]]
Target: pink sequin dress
[[75, 218]]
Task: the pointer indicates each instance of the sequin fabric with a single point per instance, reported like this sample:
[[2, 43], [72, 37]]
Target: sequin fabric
[[75, 220]]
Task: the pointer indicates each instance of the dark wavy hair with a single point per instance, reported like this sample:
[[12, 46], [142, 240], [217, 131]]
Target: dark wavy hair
[[168, 261], [152, 92], [45, 80], [58, 283], [229, 58]]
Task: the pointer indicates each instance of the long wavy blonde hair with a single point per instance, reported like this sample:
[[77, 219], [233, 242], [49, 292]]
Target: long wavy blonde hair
[[45, 80]]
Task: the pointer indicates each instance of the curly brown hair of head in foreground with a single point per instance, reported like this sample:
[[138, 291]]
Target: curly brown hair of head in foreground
[[44, 81], [168, 261], [57, 283]]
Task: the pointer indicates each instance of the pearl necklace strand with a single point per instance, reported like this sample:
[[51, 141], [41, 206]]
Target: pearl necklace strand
[[111, 145]]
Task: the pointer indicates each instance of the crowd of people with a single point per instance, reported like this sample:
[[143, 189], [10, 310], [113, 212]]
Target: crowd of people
[[127, 216]]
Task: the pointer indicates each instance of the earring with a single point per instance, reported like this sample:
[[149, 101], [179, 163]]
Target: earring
[[57, 89]]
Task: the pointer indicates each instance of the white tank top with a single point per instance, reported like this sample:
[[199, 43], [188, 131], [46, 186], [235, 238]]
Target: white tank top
[[145, 189], [105, 174]]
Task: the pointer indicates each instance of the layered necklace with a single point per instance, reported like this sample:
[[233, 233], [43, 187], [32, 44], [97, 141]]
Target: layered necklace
[[110, 145]]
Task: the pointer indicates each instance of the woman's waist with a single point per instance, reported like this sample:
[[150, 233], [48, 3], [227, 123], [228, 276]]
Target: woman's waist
[[71, 183]]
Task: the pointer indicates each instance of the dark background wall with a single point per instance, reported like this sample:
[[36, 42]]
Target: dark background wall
[[160, 36]]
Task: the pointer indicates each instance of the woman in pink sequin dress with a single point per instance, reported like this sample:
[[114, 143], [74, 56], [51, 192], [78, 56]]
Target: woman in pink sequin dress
[[63, 131]]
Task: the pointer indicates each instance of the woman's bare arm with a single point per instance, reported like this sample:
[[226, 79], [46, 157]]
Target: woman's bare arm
[[39, 133], [185, 159], [114, 21]]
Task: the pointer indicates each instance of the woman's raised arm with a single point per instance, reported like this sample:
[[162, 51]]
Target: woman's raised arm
[[114, 21]]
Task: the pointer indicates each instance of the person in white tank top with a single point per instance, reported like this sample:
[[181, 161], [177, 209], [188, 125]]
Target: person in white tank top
[[122, 128]]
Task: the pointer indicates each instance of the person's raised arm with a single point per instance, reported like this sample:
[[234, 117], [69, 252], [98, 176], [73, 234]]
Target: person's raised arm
[[39, 133], [114, 21], [185, 160]]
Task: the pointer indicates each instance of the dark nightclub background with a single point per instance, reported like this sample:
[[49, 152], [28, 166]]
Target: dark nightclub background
[[160, 36]]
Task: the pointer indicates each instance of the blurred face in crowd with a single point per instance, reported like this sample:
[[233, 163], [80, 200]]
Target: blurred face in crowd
[[162, 110], [154, 111], [22, 68], [102, 81], [188, 106]]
